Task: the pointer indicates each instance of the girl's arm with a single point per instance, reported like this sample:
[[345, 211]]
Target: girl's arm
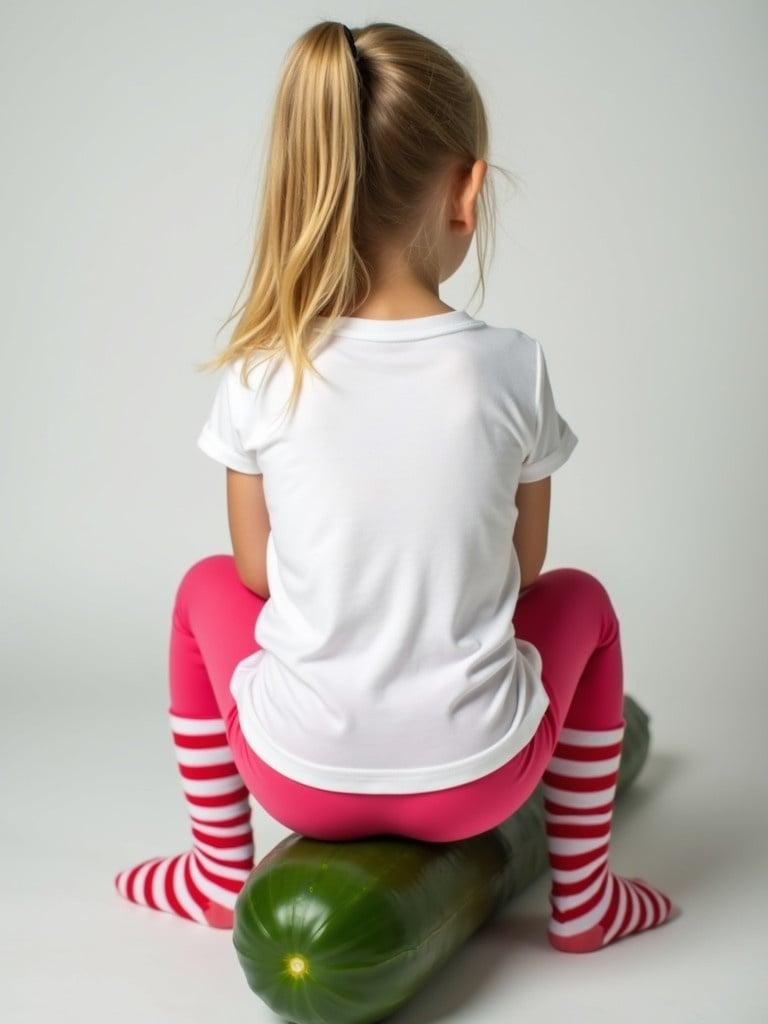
[[249, 528], [532, 527]]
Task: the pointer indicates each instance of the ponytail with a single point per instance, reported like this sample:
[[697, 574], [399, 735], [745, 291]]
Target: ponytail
[[358, 134]]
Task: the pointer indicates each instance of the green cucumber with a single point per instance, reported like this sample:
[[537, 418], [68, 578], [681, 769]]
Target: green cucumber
[[347, 932]]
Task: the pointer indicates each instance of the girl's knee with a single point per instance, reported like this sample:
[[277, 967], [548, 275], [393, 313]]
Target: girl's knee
[[585, 585], [201, 573]]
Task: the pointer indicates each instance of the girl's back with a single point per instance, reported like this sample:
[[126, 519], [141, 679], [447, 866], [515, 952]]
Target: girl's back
[[389, 661]]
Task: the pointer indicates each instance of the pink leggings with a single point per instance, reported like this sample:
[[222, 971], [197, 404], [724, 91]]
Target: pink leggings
[[567, 614]]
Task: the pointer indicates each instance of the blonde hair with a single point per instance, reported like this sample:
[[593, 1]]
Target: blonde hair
[[356, 148]]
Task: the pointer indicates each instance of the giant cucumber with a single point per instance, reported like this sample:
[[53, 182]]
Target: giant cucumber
[[347, 932]]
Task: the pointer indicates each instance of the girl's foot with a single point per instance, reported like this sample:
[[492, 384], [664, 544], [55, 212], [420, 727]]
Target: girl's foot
[[203, 883], [631, 906], [591, 906]]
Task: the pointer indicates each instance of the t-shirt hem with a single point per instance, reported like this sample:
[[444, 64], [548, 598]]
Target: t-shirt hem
[[209, 443], [532, 471], [400, 780]]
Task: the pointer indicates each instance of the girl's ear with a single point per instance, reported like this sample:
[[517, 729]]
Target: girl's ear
[[465, 189]]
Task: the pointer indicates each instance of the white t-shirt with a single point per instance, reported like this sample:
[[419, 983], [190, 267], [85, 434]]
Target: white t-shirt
[[388, 659]]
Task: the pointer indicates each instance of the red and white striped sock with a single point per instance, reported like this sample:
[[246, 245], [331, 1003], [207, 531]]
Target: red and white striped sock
[[201, 884], [591, 906]]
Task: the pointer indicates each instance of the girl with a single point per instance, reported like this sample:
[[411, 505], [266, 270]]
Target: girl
[[413, 673]]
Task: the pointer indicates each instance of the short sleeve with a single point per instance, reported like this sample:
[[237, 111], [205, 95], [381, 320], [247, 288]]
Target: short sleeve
[[553, 439], [220, 437]]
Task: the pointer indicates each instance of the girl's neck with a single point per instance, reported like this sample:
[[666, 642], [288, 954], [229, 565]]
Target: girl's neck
[[379, 308]]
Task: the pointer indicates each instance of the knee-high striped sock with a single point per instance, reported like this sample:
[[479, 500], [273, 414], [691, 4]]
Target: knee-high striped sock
[[591, 906], [202, 883]]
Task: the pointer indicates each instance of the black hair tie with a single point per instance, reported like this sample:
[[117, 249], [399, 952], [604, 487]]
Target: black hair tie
[[351, 41]]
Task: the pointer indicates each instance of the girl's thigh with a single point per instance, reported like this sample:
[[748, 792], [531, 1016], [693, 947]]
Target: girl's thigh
[[566, 614]]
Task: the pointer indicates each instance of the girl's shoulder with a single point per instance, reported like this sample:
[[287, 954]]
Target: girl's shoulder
[[510, 352]]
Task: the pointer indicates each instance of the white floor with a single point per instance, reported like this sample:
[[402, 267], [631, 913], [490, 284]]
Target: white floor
[[95, 792]]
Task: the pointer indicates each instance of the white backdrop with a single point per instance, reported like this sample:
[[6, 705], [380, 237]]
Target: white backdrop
[[635, 251]]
